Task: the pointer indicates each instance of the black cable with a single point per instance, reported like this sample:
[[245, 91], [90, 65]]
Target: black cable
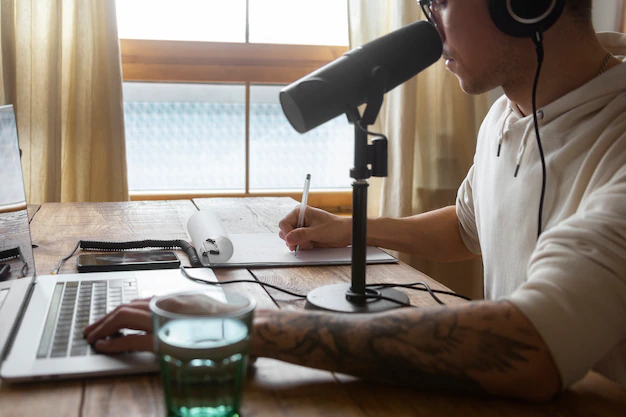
[[238, 281], [453, 294], [538, 41], [24, 264], [60, 263], [411, 286], [358, 124], [382, 297]]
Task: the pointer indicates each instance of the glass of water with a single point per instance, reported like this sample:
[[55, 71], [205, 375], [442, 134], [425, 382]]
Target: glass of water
[[202, 341]]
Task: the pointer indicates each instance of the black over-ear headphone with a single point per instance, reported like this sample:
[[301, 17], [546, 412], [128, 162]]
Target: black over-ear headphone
[[523, 18]]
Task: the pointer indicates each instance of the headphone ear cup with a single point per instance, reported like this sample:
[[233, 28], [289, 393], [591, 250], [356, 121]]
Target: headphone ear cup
[[522, 18]]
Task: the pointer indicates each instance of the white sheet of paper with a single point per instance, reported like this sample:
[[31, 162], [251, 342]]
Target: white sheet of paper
[[267, 249]]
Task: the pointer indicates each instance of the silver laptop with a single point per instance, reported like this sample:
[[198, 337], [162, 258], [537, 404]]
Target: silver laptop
[[42, 317]]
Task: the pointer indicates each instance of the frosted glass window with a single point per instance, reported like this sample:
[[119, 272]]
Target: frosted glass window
[[185, 137], [191, 137], [280, 157], [191, 20], [299, 22]]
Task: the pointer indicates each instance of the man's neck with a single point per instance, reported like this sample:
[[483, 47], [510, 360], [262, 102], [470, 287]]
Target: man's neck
[[566, 67]]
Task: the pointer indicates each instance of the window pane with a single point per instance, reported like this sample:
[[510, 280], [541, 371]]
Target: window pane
[[185, 136], [191, 20], [300, 22], [280, 157]]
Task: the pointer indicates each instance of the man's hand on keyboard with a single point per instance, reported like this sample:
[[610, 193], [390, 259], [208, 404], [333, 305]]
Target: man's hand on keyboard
[[103, 334]]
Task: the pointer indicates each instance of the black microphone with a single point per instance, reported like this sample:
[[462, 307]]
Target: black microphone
[[345, 83]]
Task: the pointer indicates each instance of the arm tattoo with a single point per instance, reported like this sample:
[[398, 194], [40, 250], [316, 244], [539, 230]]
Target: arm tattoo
[[442, 347]]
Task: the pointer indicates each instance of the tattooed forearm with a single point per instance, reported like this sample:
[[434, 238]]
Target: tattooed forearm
[[467, 347]]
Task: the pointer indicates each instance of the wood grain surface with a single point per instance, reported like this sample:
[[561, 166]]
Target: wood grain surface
[[42, 399], [249, 215], [57, 227], [273, 388]]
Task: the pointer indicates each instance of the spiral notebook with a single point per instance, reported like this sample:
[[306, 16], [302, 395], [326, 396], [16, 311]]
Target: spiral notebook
[[219, 249]]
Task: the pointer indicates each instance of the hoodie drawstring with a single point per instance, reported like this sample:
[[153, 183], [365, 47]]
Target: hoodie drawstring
[[522, 148], [503, 127]]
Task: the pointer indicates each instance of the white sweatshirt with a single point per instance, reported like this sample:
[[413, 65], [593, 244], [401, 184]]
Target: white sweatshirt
[[571, 283]]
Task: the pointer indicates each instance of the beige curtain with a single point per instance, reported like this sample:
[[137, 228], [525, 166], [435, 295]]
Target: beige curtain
[[431, 125], [61, 70]]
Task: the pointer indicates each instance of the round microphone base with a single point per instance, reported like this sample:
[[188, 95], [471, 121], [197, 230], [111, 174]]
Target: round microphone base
[[339, 297]]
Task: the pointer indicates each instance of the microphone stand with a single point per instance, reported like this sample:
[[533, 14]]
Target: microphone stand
[[355, 297]]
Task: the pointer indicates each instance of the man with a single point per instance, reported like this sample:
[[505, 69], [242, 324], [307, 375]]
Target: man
[[555, 306]]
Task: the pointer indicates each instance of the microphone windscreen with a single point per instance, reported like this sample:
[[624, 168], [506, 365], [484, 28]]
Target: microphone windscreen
[[403, 53], [344, 84]]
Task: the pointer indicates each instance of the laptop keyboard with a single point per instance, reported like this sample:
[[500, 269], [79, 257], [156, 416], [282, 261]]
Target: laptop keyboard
[[76, 304]]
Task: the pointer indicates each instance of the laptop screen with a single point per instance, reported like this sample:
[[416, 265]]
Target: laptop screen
[[16, 253]]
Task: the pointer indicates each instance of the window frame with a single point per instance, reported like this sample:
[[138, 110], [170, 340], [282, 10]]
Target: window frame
[[241, 63]]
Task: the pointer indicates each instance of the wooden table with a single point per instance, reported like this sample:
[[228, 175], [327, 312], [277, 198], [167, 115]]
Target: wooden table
[[273, 388]]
